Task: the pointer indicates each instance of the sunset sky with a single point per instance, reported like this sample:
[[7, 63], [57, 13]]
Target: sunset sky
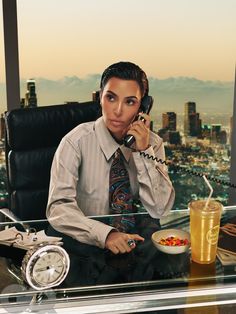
[[168, 38], [187, 47]]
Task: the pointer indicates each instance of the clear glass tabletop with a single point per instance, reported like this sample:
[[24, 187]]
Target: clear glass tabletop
[[141, 281]]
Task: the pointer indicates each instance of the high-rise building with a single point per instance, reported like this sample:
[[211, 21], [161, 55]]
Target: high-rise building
[[189, 108], [169, 121], [206, 131], [164, 134], [30, 96], [195, 124], [192, 121], [222, 138], [215, 132], [174, 137]]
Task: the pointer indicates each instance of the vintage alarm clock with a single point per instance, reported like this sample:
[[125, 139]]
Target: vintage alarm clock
[[45, 266]]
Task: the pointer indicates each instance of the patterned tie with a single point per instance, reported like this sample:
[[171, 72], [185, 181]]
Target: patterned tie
[[120, 197]]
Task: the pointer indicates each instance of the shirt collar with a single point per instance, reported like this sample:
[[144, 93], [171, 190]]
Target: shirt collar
[[107, 142]]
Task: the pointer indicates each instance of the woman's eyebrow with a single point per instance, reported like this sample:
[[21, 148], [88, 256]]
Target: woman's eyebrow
[[128, 97], [110, 92], [114, 94]]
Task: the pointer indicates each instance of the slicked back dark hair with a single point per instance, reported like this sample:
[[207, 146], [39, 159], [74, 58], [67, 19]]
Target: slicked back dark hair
[[126, 71]]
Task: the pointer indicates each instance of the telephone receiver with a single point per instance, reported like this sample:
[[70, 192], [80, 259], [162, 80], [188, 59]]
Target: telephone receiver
[[145, 107]]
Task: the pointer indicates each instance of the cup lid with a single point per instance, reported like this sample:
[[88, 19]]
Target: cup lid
[[213, 206]]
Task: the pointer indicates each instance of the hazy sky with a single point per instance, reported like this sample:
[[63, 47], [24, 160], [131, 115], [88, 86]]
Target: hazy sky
[[167, 38]]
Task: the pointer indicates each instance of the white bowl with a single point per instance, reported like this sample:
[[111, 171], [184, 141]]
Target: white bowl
[[181, 234]]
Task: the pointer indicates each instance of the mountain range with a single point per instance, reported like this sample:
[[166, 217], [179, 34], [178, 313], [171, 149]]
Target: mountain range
[[169, 94]]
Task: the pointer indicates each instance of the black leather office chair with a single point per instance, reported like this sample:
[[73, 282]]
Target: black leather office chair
[[32, 136]]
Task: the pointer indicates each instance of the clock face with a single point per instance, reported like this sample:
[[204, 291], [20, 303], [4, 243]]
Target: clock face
[[45, 266], [48, 268]]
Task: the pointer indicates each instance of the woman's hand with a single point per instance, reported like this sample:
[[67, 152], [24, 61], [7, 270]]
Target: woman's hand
[[117, 242], [141, 131]]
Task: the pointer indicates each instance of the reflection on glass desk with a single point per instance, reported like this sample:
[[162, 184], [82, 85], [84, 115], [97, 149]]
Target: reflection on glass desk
[[144, 280]]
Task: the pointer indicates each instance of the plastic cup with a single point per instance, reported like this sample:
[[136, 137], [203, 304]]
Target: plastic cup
[[204, 230]]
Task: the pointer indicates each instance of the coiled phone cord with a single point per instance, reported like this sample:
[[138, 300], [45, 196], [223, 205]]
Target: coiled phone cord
[[180, 168]]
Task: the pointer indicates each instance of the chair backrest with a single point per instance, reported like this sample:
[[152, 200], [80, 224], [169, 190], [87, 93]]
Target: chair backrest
[[32, 136]]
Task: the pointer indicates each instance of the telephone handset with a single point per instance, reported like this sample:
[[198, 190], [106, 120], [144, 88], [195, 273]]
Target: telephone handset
[[145, 107]]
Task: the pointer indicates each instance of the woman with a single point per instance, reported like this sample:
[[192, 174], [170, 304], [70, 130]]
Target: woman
[[79, 185]]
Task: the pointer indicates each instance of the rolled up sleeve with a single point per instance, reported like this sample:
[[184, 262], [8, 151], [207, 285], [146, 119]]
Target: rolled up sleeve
[[63, 211], [156, 191]]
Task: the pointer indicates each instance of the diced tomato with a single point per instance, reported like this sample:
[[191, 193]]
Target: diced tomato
[[173, 241]]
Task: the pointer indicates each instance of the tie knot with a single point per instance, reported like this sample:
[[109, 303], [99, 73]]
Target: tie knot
[[118, 153]]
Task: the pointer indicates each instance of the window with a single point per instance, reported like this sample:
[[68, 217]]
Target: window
[[189, 56]]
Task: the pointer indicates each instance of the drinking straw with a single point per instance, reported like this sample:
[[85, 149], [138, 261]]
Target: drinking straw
[[211, 191]]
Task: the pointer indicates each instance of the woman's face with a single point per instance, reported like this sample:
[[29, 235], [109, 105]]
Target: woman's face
[[120, 101]]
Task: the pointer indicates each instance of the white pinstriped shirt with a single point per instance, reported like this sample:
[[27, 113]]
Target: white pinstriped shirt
[[79, 185]]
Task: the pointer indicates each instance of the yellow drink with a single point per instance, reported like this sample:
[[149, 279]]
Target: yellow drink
[[204, 230]]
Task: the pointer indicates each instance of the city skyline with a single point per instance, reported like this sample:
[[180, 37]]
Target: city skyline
[[30, 100], [169, 94]]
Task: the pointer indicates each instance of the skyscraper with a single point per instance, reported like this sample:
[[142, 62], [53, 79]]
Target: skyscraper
[[169, 121], [174, 138], [192, 122], [30, 96], [169, 124], [215, 132], [206, 131]]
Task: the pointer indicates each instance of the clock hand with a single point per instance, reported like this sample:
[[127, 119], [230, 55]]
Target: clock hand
[[42, 269], [47, 268]]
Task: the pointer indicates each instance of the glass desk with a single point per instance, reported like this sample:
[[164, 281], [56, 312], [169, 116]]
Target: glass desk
[[143, 281]]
